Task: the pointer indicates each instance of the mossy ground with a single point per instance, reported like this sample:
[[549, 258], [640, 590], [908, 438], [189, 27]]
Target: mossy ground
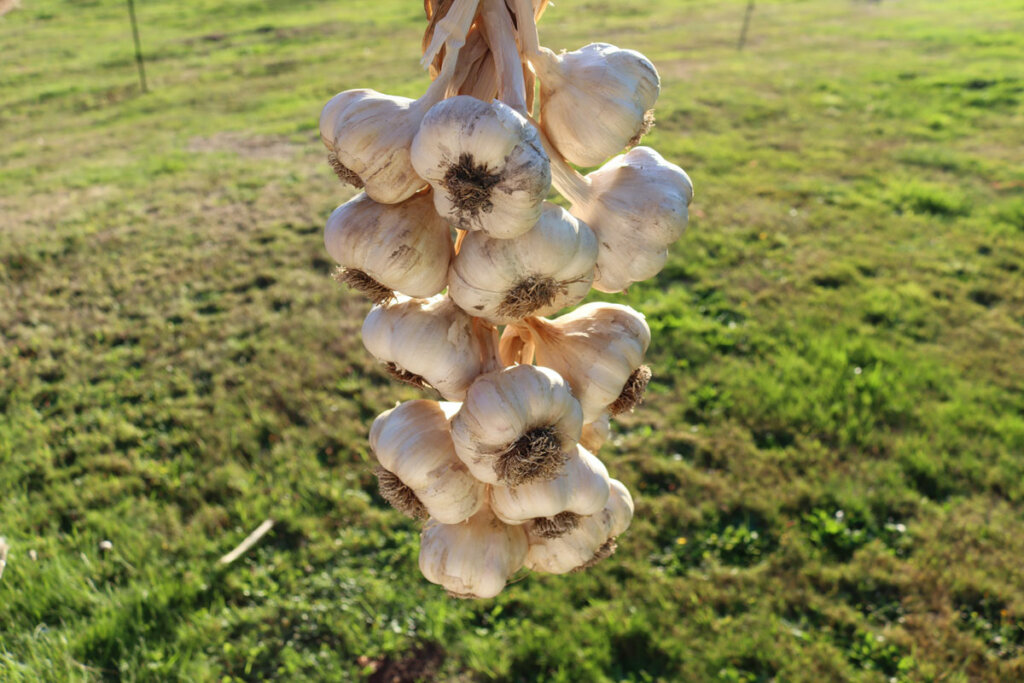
[[829, 465]]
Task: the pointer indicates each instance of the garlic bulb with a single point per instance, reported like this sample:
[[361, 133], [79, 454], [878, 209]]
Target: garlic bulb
[[589, 542], [420, 473], [384, 248], [596, 100], [581, 489], [474, 559], [486, 164], [369, 135], [546, 269], [426, 342], [595, 434], [517, 425], [599, 349], [636, 204]]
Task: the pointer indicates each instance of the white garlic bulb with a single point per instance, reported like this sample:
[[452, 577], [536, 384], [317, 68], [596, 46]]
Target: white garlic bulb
[[384, 248], [599, 349], [589, 542], [581, 489], [595, 434], [596, 100], [426, 342], [486, 164], [636, 204], [369, 135], [517, 425], [474, 559], [546, 269], [420, 473]]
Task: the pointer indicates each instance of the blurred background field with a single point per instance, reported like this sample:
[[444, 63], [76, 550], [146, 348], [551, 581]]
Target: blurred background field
[[829, 468]]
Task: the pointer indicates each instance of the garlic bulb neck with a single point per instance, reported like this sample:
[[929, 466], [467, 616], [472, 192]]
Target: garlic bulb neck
[[451, 31], [516, 345], [536, 455], [566, 179], [364, 284], [526, 25], [500, 32], [598, 349], [400, 496]]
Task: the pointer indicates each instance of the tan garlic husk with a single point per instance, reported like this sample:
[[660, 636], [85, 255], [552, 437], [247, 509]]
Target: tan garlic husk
[[369, 135], [538, 273], [486, 164], [599, 349], [474, 559], [596, 434], [589, 542], [636, 204], [388, 248], [595, 101], [426, 343], [581, 489], [420, 474], [517, 425]]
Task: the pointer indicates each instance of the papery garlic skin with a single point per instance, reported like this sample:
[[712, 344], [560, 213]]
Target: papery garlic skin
[[537, 273], [592, 540], [596, 434], [582, 489], [370, 134], [486, 164], [595, 100], [427, 341], [413, 442], [402, 247], [637, 207], [517, 425], [474, 559], [597, 348]]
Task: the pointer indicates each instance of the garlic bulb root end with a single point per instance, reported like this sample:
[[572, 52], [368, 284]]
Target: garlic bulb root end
[[529, 295], [400, 496], [604, 552], [363, 283], [400, 374], [645, 128], [344, 173], [470, 185], [535, 456], [633, 391], [554, 527]]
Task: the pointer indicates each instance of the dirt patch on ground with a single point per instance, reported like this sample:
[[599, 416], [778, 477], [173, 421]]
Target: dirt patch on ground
[[249, 146], [421, 664]]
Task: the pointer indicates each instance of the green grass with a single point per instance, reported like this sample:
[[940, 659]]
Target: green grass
[[829, 468]]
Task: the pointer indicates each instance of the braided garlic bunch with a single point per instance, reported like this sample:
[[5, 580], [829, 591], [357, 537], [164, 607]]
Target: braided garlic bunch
[[453, 238]]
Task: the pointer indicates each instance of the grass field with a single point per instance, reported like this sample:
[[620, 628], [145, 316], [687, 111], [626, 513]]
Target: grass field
[[829, 468]]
